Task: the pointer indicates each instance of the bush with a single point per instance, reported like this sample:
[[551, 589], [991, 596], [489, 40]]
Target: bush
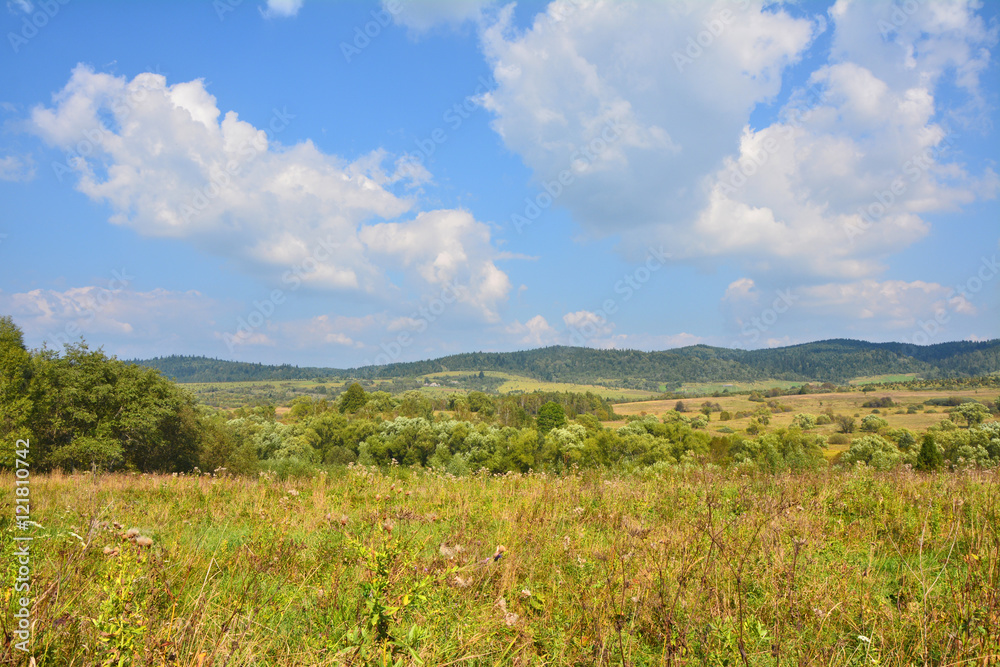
[[873, 424], [838, 439]]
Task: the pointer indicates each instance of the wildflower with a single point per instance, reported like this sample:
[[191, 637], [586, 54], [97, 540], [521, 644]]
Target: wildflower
[[143, 541], [864, 639], [501, 550]]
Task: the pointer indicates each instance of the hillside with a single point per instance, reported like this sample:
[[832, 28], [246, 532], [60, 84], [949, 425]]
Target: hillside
[[824, 361]]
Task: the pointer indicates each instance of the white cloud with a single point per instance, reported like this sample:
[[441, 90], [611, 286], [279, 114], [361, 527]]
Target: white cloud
[[168, 163], [422, 15], [17, 169], [892, 304], [281, 8], [143, 323], [586, 69], [688, 170], [536, 332], [743, 289]]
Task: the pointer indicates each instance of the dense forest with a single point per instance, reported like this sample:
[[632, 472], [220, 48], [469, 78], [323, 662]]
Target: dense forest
[[834, 361]]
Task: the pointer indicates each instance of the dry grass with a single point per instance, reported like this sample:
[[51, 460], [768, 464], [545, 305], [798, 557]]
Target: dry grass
[[363, 567]]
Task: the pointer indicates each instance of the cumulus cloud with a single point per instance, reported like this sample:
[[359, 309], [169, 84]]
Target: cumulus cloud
[[169, 163], [595, 89], [536, 332], [838, 183]]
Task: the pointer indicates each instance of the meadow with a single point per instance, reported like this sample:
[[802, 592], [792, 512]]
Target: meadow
[[909, 411], [361, 566]]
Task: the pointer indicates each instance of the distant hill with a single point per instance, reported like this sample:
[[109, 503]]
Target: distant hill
[[835, 361], [204, 369]]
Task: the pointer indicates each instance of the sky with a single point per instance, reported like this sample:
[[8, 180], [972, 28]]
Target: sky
[[349, 183]]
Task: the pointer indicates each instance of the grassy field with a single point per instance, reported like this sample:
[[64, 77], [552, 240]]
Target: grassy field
[[846, 403], [707, 388], [360, 567], [517, 383]]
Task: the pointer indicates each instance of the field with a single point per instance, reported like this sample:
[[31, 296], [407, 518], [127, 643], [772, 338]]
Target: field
[[517, 383], [360, 567], [846, 403]]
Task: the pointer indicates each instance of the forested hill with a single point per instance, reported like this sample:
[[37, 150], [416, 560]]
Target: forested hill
[[204, 369], [824, 361], [831, 360]]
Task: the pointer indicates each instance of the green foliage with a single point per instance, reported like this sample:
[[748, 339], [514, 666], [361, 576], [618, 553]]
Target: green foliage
[[930, 457], [15, 389], [353, 399], [551, 415], [804, 421], [873, 424], [973, 413], [874, 451], [121, 622]]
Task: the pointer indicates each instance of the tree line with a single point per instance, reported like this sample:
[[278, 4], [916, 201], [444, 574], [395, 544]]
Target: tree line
[[84, 410]]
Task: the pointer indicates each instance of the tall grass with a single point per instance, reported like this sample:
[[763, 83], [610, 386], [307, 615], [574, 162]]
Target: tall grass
[[361, 566]]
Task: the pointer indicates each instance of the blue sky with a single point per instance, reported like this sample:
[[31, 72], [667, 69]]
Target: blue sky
[[337, 184]]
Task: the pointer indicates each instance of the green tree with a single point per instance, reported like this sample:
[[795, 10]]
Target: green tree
[[15, 388], [551, 415], [804, 421], [973, 413], [353, 399], [845, 423], [930, 457]]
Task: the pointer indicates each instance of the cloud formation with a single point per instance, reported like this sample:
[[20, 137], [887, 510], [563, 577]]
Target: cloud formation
[[169, 164]]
